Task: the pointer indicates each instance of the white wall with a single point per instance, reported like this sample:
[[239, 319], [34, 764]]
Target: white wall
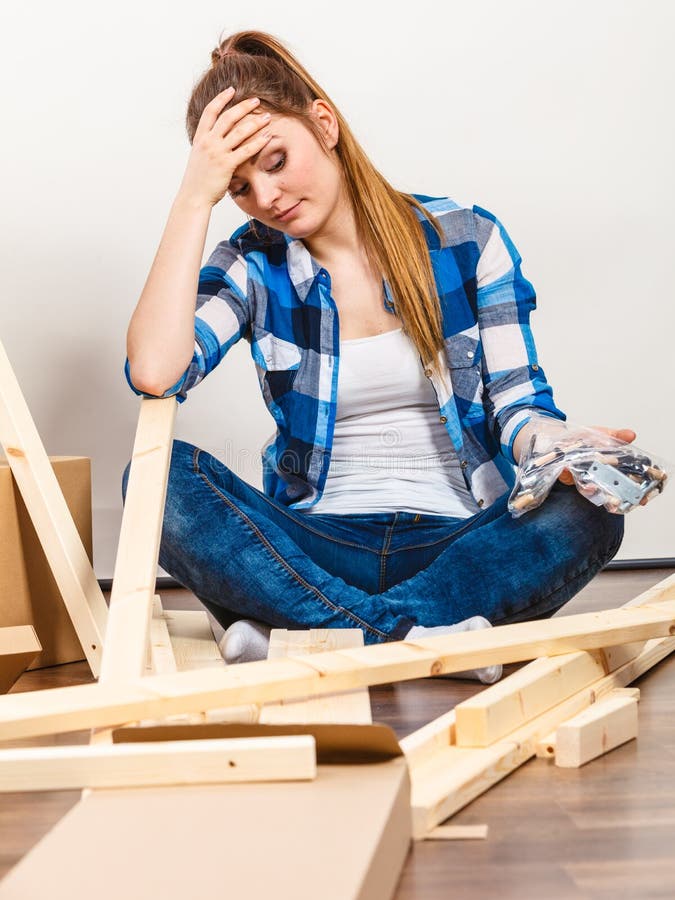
[[556, 117]]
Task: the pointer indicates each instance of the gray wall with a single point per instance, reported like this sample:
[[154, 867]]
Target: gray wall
[[554, 117]]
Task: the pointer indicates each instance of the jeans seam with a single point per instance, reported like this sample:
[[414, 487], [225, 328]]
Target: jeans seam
[[385, 550], [289, 569]]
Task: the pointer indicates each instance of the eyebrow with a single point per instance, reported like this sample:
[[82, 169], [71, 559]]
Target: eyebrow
[[254, 159]]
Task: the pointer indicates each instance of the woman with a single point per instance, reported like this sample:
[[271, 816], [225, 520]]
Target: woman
[[391, 337]]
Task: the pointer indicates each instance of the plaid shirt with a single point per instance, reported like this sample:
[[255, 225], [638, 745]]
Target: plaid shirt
[[268, 289]]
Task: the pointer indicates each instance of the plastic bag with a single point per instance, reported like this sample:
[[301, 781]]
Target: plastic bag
[[607, 471]]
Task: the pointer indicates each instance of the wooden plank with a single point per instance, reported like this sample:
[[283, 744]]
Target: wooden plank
[[597, 730], [545, 747], [455, 776], [156, 696], [457, 833], [495, 712], [19, 645], [51, 517], [166, 763], [127, 634], [351, 706]]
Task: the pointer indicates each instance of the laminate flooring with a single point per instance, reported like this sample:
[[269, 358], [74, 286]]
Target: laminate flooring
[[606, 830]]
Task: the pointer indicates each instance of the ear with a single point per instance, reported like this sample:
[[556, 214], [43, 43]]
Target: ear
[[324, 116]]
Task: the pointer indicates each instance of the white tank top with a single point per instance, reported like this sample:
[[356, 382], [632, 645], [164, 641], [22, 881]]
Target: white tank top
[[390, 450]]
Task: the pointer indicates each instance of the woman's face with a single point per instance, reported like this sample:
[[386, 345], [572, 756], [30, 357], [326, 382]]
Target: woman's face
[[292, 185]]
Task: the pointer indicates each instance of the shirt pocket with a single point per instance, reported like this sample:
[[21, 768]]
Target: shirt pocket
[[277, 361], [464, 354]]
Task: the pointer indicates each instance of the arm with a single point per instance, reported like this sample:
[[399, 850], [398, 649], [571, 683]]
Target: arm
[[165, 340], [515, 384]]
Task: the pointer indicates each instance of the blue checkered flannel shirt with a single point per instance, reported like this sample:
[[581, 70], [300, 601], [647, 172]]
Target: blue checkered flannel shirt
[[266, 287]]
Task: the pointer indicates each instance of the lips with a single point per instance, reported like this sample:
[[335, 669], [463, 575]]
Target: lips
[[284, 215]]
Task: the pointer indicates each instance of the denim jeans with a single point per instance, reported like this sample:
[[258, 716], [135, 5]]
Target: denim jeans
[[246, 556]]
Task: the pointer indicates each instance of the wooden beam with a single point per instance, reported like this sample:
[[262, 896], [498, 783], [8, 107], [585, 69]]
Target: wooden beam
[[545, 747], [19, 645], [166, 763], [458, 833], [495, 712], [611, 721], [58, 535], [454, 776], [127, 634], [157, 696], [350, 706]]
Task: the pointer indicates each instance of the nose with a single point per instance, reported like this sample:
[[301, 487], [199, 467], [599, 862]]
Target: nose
[[267, 194]]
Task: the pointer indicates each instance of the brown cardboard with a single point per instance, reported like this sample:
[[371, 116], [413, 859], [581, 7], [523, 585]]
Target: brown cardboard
[[28, 592], [344, 836], [18, 648]]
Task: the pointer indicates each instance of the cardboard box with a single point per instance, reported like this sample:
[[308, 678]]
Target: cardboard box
[[344, 836], [28, 592]]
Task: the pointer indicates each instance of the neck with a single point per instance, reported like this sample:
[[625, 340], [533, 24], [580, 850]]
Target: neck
[[337, 237]]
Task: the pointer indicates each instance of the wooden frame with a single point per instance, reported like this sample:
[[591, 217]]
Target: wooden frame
[[51, 517], [87, 706]]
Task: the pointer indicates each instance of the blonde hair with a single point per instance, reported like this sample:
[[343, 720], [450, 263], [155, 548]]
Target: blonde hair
[[257, 64]]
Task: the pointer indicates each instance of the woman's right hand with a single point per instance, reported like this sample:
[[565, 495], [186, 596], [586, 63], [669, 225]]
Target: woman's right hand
[[224, 139]]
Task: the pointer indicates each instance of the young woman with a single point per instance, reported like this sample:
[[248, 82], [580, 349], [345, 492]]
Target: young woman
[[390, 334]]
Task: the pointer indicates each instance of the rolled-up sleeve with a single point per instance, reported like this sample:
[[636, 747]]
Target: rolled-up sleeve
[[515, 383], [222, 317]]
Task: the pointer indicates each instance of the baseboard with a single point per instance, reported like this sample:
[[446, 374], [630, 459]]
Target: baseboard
[[166, 582]]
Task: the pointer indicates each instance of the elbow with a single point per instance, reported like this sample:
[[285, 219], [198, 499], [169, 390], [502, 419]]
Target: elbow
[[146, 382]]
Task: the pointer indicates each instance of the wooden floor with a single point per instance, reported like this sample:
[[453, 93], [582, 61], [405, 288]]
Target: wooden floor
[[606, 830]]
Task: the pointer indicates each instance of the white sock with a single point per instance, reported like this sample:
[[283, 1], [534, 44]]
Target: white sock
[[245, 641], [488, 675]]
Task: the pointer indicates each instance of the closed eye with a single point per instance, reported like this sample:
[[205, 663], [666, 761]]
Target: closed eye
[[243, 190]]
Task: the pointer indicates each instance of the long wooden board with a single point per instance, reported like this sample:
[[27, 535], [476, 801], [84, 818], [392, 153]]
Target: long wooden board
[[158, 763], [156, 696], [52, 520], [126, 647]]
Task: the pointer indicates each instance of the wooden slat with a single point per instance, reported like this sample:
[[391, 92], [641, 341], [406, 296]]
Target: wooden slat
[[166, 763], [545, 746], [458, 833], [19, 645], [454, 776], [52, 520], [597, 730], [495, 712], [351, 706], [156, 696], [133, 587]]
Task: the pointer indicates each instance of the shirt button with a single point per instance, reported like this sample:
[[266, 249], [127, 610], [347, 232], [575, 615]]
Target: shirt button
[[464, 463], [481, 502], [427, 372], [470, 354], [444, 419], [535, 368]]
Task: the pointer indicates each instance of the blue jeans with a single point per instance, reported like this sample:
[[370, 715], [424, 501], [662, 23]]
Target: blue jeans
[[246, 556]]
